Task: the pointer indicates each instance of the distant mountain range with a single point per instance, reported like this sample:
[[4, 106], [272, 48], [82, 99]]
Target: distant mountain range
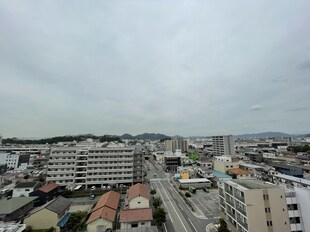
[[269, 134], [146, 136]]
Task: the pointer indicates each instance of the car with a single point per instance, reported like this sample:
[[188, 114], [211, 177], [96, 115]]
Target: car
[[109, 187], [92, 197], [93, 188], [108, 230], [205, 189]]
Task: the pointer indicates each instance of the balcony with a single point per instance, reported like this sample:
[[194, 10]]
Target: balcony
[[231, 202], [229, 191], [230, 213], [243, 224], [239, 197], [241, 210]]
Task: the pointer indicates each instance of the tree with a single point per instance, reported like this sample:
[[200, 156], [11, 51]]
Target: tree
[[153, 191], [223, 226], [157, 202], [160, 216], [187, 194]]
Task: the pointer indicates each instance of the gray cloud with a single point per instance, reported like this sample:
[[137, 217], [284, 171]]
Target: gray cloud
[[302, 108], [175, 67], [256, 107]]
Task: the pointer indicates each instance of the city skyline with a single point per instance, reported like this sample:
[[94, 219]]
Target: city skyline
[[177, 68]]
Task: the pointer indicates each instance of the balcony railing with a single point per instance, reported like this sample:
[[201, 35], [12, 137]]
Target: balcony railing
[[243, 224], [230, 201], [241, 210], [231, 214], [239, 197]]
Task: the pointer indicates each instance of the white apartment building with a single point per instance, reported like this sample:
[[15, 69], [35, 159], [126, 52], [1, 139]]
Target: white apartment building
[[223, 145], [253, 206], [95, 166], [18, 162]]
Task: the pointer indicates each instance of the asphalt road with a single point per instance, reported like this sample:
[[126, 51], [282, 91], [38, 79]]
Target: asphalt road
[[180, 217]]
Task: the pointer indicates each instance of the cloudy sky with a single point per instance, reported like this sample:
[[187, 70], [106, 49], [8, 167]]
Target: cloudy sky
[[174, 67]]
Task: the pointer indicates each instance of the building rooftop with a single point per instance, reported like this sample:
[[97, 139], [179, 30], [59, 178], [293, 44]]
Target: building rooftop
[[136, 215], [27, 184], [48, 187], [238, 171], [138, 190], [253, 184], [294, 179], [221, 175], [197, 180], [13, 204]]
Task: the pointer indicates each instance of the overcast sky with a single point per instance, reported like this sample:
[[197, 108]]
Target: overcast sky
[[175, 67]]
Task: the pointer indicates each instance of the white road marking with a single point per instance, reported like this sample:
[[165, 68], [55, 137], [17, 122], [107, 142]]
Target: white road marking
[[204, 206], [165, 227], [164, 202], [192, 224], [180, 207], [173, 207]]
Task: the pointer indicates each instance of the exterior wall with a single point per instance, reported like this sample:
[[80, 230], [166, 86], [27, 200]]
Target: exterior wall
[[44, 197], [173, 145], [139, 203], [223, 145], [303, 199], [99, 225], [185, 174], [17, 214], [99, 167], [278, 209], [43, 219], [128, 225], [17, 192], [224, 166]]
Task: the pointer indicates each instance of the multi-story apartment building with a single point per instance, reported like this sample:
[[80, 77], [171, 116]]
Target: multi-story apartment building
[[223, 145], [95, 166], [175, 144], [253, 206], [18, 162]]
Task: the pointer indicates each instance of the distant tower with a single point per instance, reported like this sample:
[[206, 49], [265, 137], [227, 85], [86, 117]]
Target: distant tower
[[223, 145]]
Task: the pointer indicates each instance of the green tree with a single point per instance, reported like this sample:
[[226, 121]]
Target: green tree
[[223, 226], [153, 191], [160, 216], [157, 202]]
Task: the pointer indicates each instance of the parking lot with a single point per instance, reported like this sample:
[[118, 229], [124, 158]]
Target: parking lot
[[206, 204]]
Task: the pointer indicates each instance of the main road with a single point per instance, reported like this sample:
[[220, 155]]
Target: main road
[[179, 216]]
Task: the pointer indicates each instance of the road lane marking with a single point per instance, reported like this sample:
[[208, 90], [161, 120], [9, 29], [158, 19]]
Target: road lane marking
[[164, 202], [173, 207], [180, 207], [165, 227], [204, 206], [192, 224]]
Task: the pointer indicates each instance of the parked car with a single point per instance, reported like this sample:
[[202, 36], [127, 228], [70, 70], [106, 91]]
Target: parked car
[[92, 197]]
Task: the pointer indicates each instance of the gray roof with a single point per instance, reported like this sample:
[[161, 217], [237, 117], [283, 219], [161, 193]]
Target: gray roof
[[13, 204], [59, 205], [28, 184], [253, 184]]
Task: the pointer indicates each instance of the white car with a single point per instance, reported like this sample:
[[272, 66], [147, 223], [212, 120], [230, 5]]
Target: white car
[[104, 187], [109, 187], [93, 188]]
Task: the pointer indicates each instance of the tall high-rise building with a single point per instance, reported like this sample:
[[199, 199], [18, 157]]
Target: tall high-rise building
[[175, 144], [223, 145], [96, 166]]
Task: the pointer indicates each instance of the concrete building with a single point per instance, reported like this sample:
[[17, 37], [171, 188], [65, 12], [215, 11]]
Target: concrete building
[[23, 189], [174, 144], [48, 215], [223, 145], [96, 166], [224, 163], [104, 214], [17, 162], [16, 208], [253, 206], [137, 212]]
